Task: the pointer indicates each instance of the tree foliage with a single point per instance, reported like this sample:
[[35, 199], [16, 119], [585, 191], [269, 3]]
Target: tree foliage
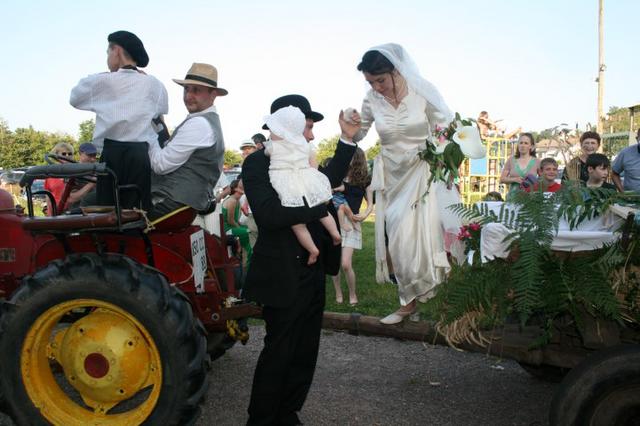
[[27, 146], [232, 158], [326, 148], [85, 131], [617, 120], [373, 151]]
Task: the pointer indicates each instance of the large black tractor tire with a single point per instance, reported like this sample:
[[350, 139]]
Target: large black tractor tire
[[133, 296], [604, 389], [218, 344]]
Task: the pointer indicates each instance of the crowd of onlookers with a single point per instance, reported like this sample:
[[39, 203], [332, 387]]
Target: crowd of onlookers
[[590, 168]]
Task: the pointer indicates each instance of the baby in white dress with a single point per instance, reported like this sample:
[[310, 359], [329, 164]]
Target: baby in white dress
[[293, 173]]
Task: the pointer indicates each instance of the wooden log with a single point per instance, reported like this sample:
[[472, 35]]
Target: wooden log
[[508, 342]]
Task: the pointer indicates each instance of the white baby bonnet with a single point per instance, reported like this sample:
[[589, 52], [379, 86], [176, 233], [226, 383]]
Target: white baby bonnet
[[288, 123]]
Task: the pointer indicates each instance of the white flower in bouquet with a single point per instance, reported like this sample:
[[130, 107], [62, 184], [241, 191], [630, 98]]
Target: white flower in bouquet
[[449, 147], [468, 138]]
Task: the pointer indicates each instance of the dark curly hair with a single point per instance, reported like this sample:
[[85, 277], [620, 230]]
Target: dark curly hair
[[358, 174]]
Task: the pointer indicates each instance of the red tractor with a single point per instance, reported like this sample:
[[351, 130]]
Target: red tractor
[[107, 320]]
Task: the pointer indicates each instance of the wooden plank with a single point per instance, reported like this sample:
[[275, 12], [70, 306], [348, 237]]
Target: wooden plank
[[510, 342]]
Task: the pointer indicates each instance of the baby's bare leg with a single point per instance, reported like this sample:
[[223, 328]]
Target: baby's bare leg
[[343, 218], [305, 240], [330, 225]]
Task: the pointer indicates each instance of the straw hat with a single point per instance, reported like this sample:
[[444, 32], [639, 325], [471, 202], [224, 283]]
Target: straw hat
[[203, 75]]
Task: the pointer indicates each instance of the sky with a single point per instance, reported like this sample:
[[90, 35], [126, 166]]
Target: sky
[[532, 64]]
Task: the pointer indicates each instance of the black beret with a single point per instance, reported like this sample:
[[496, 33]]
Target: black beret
[[132, 44]]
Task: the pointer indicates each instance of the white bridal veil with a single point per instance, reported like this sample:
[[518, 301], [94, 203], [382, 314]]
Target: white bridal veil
[[409, 70]]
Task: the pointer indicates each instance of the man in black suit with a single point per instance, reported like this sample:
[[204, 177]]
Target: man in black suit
[[292, 293]]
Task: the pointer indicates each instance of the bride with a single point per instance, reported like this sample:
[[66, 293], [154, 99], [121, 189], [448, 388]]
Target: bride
[[405, 108]]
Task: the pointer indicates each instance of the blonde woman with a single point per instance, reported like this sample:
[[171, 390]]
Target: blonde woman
[[55, 186]]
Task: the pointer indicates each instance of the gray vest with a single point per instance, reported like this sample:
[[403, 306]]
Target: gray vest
[[192, 183]]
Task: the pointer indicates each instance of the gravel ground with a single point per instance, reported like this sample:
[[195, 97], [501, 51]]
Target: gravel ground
[[381, 381]]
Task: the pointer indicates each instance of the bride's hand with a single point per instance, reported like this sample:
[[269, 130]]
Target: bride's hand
[[349, 128]]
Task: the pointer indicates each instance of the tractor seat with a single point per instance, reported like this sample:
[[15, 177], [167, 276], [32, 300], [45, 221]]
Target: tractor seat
[[108, 220], [176, 220]]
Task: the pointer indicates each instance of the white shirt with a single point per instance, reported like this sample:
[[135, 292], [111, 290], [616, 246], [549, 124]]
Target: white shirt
[[196, 133], [125, 102]]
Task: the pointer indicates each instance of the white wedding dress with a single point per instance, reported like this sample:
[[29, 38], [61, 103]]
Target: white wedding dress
[[419, 226]]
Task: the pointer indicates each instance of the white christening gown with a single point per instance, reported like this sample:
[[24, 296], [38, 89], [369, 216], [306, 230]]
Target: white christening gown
[[293, 178]]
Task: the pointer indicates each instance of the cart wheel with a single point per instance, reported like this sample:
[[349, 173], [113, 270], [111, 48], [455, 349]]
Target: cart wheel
[[604, 389]]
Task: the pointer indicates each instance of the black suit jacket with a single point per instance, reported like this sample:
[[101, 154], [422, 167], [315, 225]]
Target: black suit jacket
[[278, 260]]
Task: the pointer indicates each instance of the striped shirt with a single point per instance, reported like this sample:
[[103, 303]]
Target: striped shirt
[[125, 102]]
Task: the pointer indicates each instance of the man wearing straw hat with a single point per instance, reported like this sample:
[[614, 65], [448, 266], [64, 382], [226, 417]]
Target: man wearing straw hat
[[187, 168], [125, 101]]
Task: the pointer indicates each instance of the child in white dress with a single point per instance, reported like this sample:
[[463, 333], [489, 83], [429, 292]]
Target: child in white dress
[[293, 173]]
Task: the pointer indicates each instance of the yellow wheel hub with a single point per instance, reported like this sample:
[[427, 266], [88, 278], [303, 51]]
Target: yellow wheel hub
[[107, 356]]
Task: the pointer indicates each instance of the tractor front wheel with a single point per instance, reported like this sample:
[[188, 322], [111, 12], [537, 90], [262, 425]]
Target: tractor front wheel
[[101, 341]]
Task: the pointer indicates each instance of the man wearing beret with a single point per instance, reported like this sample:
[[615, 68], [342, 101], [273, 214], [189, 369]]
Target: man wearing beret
[[187, 167], [292, 293], [125, 101]]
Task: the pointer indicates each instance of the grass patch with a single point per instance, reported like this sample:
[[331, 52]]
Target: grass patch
[[373, 299]]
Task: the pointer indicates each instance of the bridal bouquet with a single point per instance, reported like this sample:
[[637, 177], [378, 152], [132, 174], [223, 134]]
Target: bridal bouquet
[[470, 235], [449, 147]]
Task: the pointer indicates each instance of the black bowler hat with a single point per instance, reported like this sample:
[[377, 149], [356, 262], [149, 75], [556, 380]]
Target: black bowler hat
[[132, 44], [297, 101]]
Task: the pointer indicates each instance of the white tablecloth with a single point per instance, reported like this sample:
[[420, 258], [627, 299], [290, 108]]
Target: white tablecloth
[[589, 235]]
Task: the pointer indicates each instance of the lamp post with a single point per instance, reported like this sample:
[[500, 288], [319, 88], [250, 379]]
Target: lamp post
[[601, 65]]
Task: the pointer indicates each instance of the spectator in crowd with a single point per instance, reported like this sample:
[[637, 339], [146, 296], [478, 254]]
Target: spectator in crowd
[[576, 169], [356, 185], [231, 218], [598, 169], [489, 127], [7, 185], [259, 139], [628, 161], [83, 191], [247, 148], [523, 166], [55, 186], [548, 173], [486, 126], [493, 196]]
